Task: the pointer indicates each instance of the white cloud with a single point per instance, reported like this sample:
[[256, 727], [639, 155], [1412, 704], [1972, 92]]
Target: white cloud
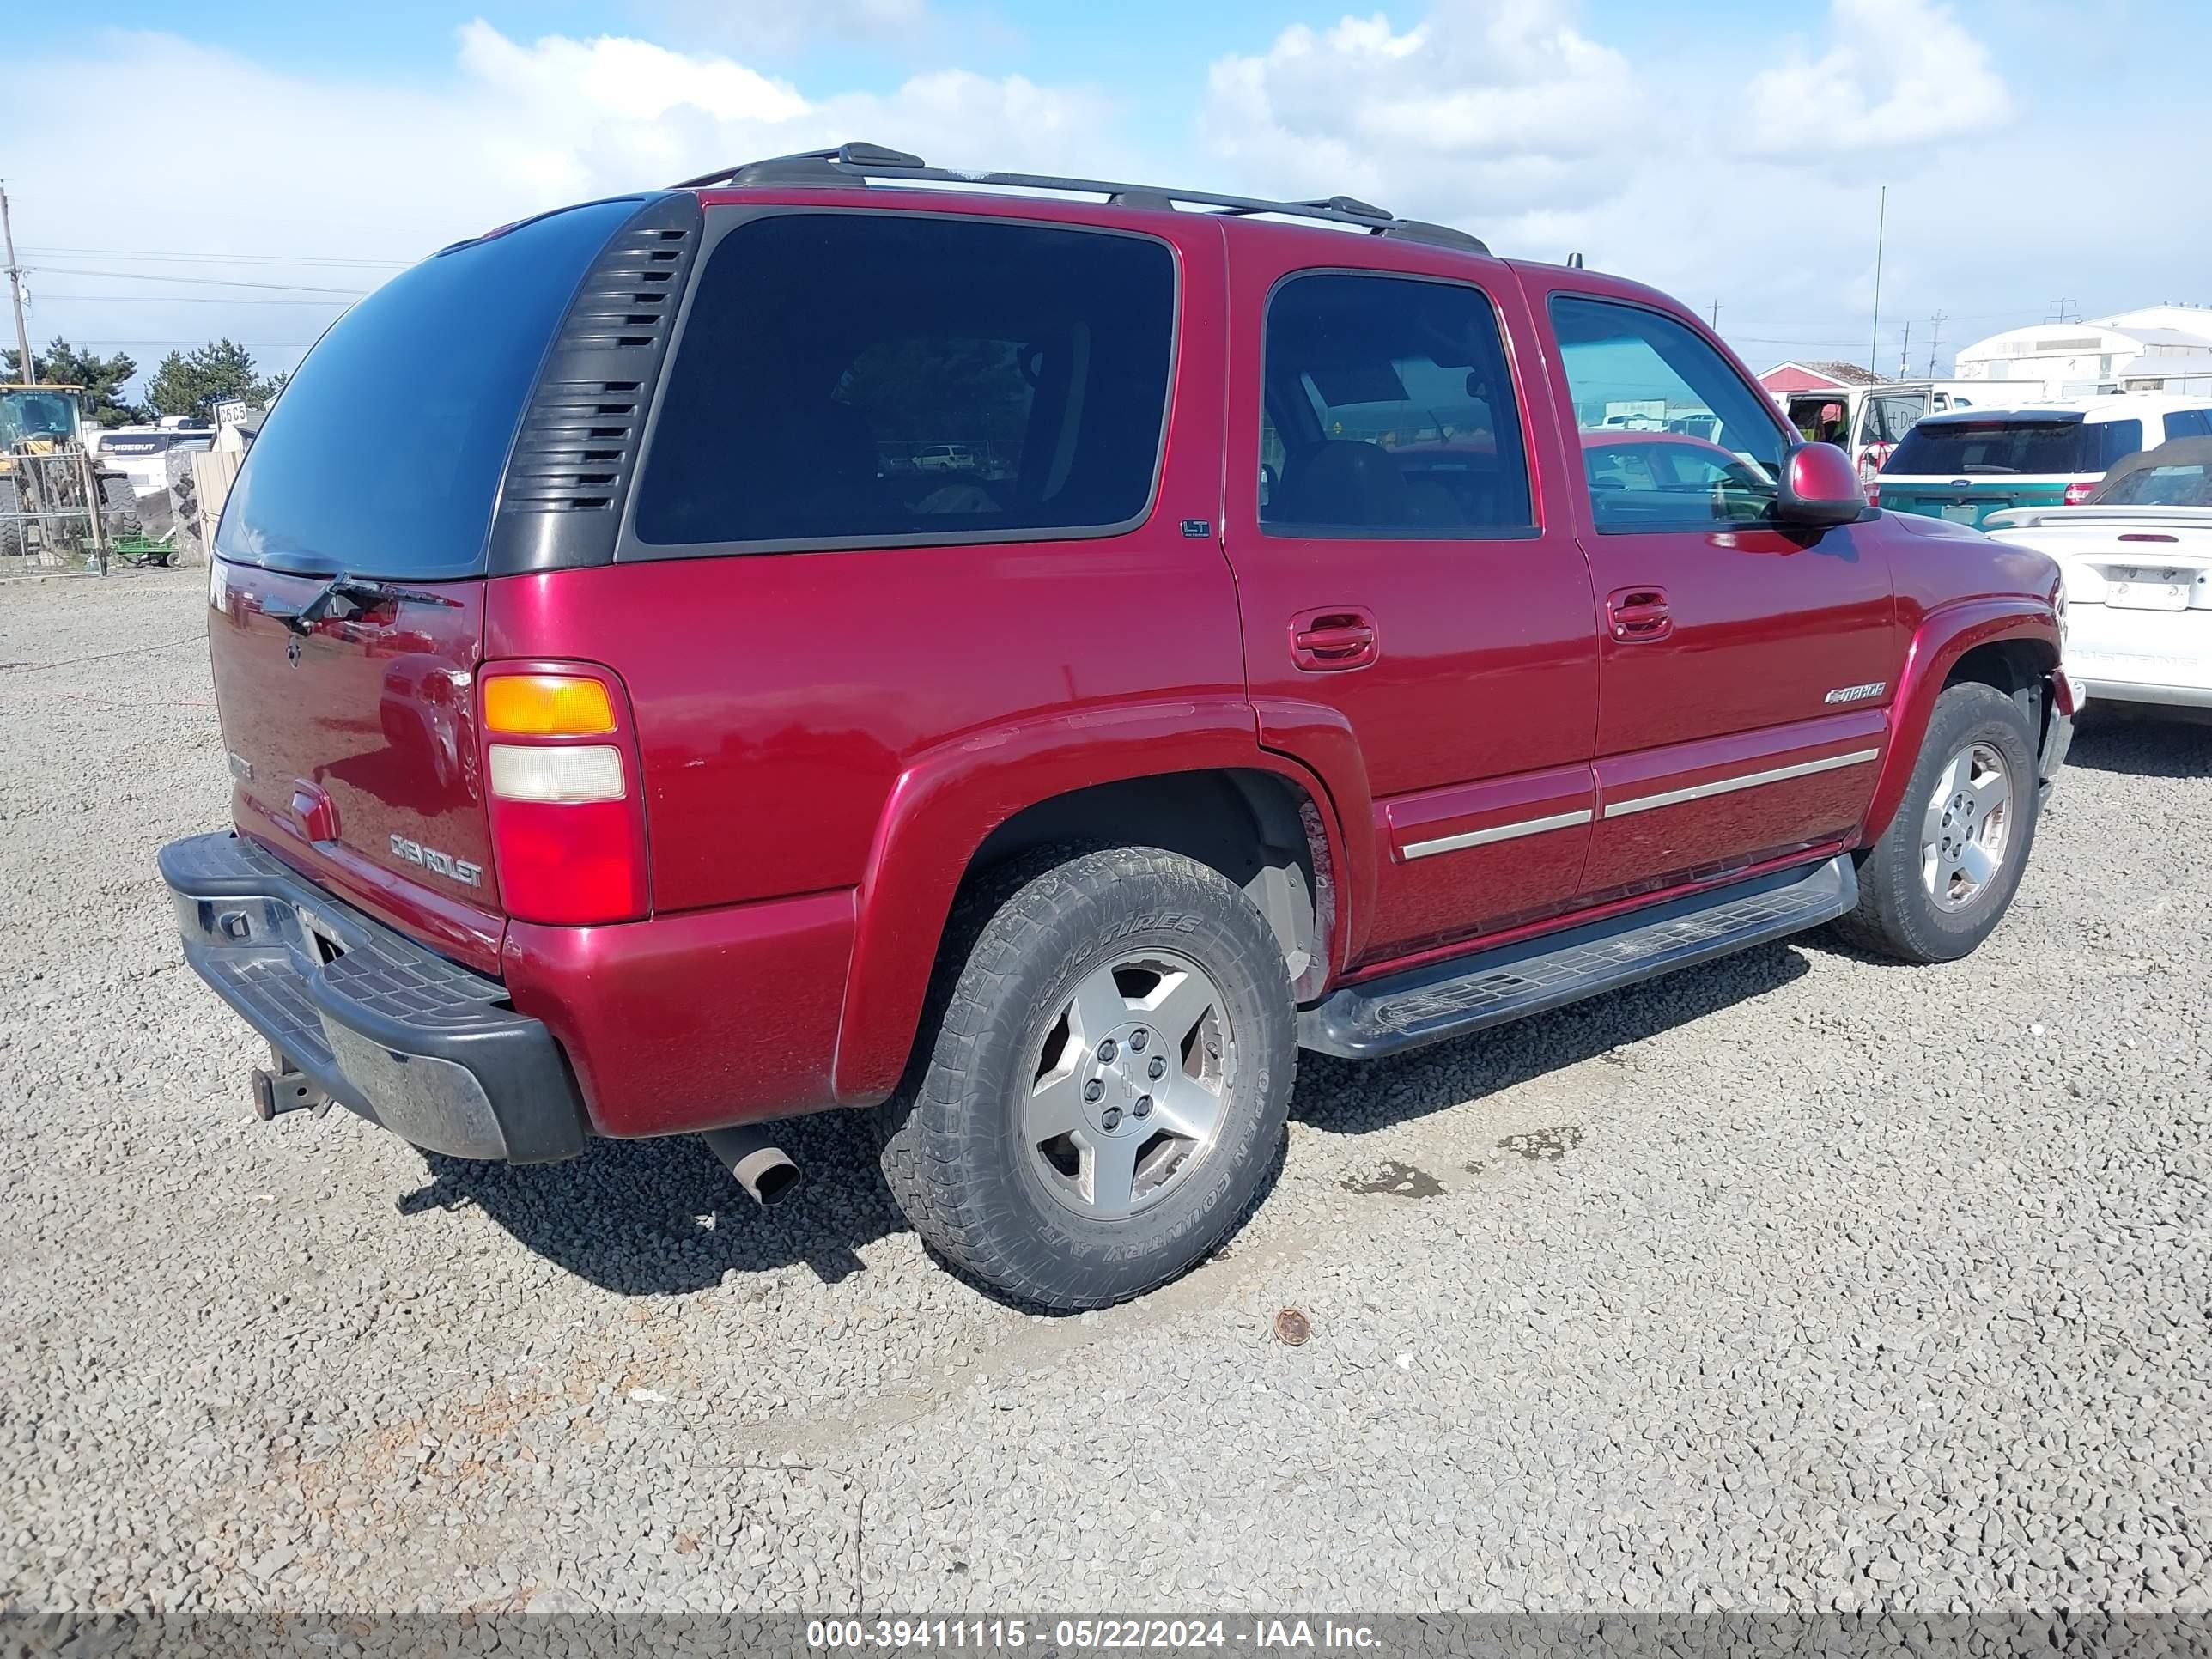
[[1713, 165], [1484, 104], [329, 165], [1898, 73], [782, 23]]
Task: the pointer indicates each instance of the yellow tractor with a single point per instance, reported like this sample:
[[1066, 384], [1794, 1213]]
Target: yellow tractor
[[54, 498]]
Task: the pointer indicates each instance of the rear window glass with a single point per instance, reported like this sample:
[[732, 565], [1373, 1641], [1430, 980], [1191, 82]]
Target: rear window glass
[[1821, 420], [1962, 448], [877, 377], [384, 455]]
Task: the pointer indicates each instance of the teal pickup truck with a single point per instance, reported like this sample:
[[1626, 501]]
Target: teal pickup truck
[[1971, 463]]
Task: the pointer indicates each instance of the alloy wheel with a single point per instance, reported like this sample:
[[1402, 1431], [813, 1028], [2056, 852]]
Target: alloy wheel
[[1967, 826], [1131, 1085]]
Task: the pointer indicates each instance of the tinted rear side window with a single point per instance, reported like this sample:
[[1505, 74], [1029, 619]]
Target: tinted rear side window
[[384, 456], [1388, 409], [865, 377], [1964, 448], [2109, 441]]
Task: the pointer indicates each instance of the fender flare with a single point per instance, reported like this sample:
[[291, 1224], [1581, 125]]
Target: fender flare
[[1943, 636], [949, 799]]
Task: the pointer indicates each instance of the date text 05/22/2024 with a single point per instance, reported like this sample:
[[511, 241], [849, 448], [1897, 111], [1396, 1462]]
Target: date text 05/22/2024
[[1089, 1634]]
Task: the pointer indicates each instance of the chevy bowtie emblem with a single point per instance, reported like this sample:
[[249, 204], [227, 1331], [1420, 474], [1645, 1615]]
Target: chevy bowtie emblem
[[292, 651]]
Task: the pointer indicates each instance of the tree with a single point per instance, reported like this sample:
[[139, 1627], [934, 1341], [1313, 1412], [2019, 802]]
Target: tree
[[102, 377], [194, 382]]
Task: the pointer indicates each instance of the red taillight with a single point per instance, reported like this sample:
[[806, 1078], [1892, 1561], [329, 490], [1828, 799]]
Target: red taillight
[[573, 863], [2076, 494], [567, 800], [1874, 494]]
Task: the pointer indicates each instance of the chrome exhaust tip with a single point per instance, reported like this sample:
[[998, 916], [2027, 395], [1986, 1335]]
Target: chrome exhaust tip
[[761, 1167]]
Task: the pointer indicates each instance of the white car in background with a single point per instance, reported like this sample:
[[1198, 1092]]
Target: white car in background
[[2137, 562]]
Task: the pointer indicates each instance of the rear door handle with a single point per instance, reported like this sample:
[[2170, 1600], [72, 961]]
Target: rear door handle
[[1638, 615], [1333, 639]]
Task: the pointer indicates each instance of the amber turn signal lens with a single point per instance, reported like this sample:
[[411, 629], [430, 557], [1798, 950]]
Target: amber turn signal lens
[[546, 706]]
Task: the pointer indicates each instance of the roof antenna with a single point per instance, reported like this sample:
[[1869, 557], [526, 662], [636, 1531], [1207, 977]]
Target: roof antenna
[[1574, 262]]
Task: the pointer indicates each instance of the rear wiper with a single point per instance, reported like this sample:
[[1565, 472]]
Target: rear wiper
[[1988, 466], [357, 595]]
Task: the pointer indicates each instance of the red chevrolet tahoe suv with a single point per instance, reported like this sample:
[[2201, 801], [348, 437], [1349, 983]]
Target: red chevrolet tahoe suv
[[1334, 637]]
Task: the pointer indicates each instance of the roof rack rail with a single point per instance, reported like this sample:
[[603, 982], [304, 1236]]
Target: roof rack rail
[[857, 163]]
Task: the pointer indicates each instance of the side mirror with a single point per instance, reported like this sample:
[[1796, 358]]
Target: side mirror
[[1820, 487]]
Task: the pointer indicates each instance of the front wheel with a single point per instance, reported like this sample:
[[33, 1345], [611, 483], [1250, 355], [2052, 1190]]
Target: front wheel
[[1942, 875], [1109, 1081]]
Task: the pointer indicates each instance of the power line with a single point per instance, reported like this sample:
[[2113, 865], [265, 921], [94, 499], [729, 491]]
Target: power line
[[257, 345], [198, 281], [216, 259], [1765, 339], [1959, 317], [182, 299]]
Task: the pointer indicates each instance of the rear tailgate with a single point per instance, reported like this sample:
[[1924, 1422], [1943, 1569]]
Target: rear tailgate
[[2125, 558], [353, 746], [369, 504], [2138, 583], [1966, 501], [1964, 466]]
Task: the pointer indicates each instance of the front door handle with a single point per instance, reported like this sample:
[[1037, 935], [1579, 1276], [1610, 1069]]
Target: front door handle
[[1333, 639], [1638, 615]]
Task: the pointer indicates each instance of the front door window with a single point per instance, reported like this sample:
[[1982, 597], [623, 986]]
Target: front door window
[[1672, 438]]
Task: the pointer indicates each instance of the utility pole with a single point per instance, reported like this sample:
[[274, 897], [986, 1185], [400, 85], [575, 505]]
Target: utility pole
[[2060, 306], [1717, 316], [1904, 351], [1935, 339], [16, 287], [1880, 224]]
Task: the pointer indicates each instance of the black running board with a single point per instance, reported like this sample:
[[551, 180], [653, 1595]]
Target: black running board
[[1450, 999]]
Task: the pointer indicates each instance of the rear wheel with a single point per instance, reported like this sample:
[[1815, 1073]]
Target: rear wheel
[[15, 541], [1944, 873], [118, 507], [1109, 1081]]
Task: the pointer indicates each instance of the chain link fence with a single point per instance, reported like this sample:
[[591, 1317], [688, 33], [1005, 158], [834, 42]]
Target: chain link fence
[[60, 515], [47, 517]]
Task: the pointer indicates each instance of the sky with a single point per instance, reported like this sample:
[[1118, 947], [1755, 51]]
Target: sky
[[246, 169]]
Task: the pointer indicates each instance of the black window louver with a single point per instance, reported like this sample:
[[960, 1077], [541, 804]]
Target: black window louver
[[575, 447], [578, 444]]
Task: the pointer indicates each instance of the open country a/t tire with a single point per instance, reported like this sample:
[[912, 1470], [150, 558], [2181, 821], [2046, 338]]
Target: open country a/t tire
[[1944, 873], [1108, 1083]]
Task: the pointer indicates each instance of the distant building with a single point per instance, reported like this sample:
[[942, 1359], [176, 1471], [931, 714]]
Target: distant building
[[1823, 376], [2165, 348]]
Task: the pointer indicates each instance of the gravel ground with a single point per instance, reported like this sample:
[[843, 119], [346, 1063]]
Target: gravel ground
[[1796, 1282]]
